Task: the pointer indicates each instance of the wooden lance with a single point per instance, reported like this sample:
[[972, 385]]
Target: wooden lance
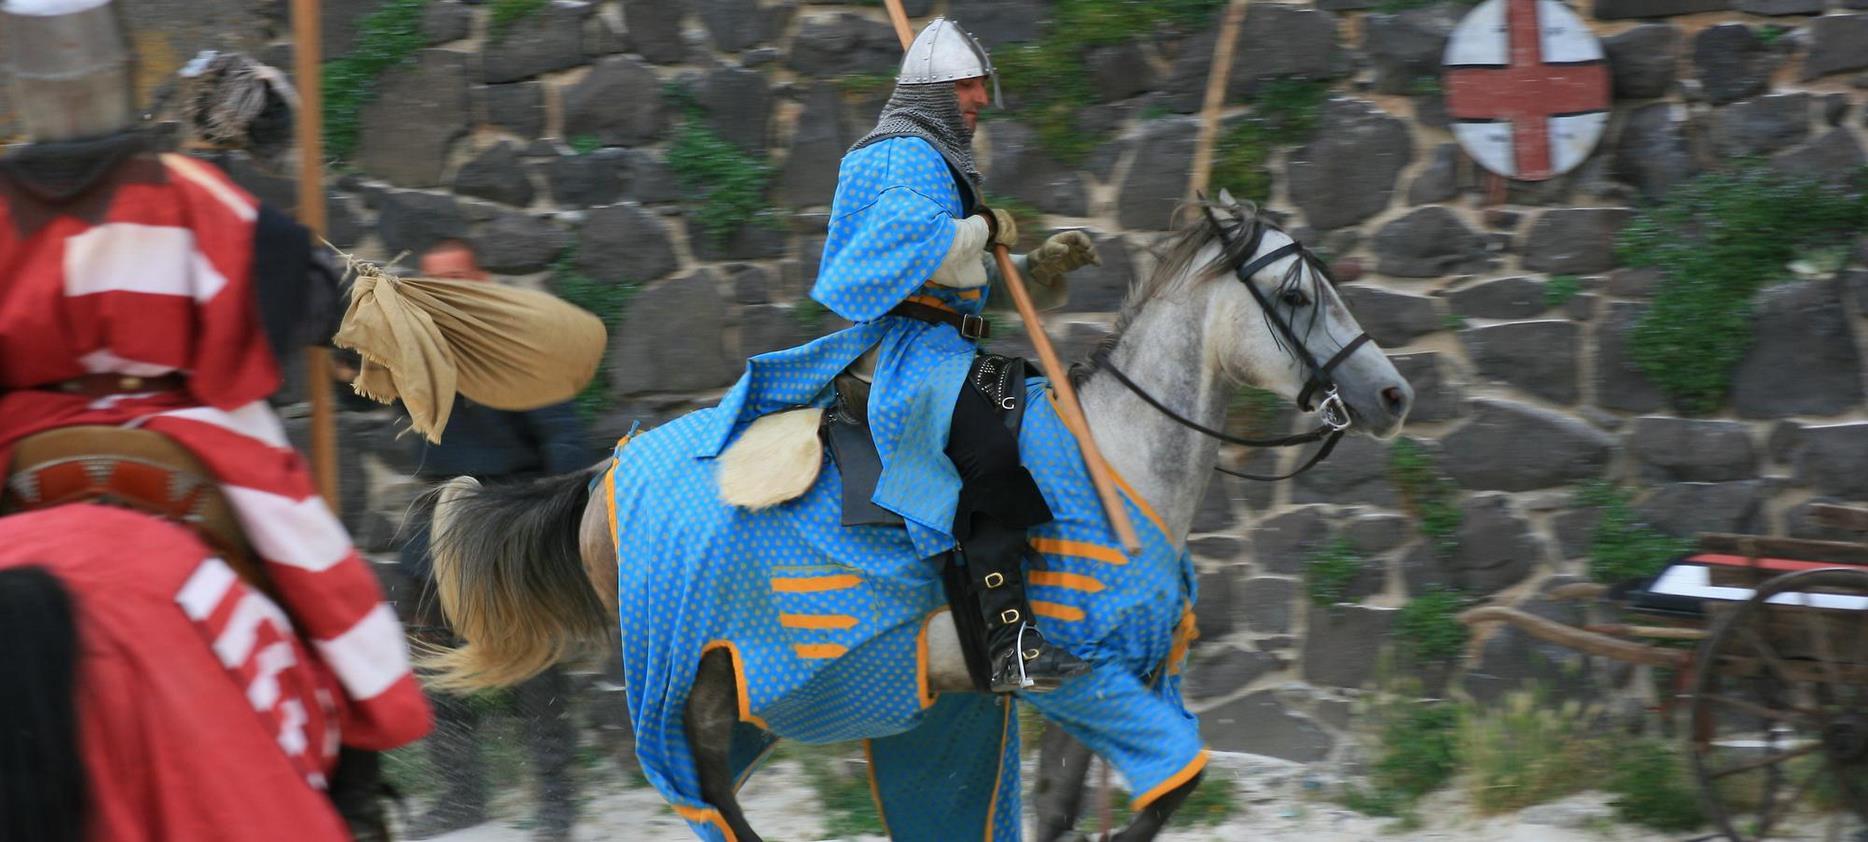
[[306, 51], [1072, 412]]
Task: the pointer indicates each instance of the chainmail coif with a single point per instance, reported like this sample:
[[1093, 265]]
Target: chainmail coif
[[930, 112]]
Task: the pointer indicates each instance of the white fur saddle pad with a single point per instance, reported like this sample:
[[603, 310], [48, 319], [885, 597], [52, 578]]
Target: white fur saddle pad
[[776, 460]]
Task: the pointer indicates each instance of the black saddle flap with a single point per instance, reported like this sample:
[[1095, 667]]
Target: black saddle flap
[[846, 431]]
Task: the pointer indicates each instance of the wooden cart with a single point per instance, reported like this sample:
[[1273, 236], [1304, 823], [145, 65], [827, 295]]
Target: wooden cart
[[1776, 693]]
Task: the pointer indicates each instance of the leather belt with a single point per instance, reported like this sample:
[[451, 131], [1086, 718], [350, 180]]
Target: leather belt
[[105, 385], [969, 325]]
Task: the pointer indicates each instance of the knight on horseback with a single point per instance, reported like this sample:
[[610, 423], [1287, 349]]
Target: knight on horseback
[[907, 246], [148, 306]]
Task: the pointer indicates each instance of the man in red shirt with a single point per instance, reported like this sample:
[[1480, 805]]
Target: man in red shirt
[[148, 291]]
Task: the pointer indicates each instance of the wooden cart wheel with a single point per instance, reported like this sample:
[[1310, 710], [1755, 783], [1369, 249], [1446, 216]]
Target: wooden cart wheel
[[1779, 727]]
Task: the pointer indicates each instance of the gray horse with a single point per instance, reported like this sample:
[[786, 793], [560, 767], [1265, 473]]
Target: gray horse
[[528, 574]]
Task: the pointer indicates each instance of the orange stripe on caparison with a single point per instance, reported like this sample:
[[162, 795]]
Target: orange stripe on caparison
[[1071, 581], [1186, 773], [707, 815], [815, 584], [820, 650], [1056, 611], [1079, 549], [817, 621]]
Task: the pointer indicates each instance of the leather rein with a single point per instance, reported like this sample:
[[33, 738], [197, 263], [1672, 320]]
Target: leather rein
[[1335, 415]]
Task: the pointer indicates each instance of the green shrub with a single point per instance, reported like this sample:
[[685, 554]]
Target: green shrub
[[1560, 289], [1428, 626], [1652, 788], [385, 38], [730, 183], [1622, 547], [607, 301], [505, 13], [1527, 752], [1329, 572], [1419, 745], [1718, 238], [1427, 493]]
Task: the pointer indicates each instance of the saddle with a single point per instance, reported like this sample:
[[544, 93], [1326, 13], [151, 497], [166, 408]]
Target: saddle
[[846, 429], [129, 468]]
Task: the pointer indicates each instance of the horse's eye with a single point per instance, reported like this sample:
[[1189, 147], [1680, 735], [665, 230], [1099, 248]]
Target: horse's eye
[[1295, 298]]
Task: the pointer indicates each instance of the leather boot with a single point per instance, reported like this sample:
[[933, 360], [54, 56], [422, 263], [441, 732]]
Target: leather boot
[[1019, 657]]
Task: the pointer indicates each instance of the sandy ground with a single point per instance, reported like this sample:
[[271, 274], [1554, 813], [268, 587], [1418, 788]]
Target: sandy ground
[[1276, 801]]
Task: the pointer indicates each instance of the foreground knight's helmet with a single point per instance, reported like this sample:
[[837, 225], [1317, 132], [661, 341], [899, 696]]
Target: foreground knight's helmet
[[944, 52], [71, 67]]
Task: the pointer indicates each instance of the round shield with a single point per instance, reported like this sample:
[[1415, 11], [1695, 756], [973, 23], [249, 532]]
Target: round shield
[[1527, 87]]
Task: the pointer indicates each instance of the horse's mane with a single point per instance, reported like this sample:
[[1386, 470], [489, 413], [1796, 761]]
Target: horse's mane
[[1174, 259]]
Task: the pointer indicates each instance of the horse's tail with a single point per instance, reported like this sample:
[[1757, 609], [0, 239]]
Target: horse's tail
[[42, 779], [510, 578]]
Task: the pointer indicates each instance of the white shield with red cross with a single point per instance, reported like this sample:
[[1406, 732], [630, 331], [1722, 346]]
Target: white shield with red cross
[[1527, 87]]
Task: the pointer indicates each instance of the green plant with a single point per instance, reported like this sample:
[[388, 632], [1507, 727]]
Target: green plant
[[729, 182], [385, 38], [1210, 803], [849, 807], [1769, 33], [584, 144], [1427, 493], [1284, 112], [1560, 289], [1717, 238], [1622, 547], [1453, 321], [1419, 743], [1652, 789], [607, 301], [1526, 751], [504, 13], [809, 314], [1329, 572], [1048, 77], [1428, 626], [865, 84], [1253, 410]]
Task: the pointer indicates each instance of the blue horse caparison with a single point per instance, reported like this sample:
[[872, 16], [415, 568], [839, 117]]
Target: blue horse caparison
[[826, 625]]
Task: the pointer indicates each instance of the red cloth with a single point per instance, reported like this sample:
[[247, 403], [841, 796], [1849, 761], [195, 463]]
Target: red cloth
[[210, 730], [158, 280]]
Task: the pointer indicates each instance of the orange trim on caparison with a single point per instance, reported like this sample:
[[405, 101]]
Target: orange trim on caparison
[[1186, 774], [1079, 549], [1185, 633], [875, 789], [815, 584], [926, 696], [739, 681], [706, 814], [820, 651], [836, 622], [609, 489], [1005, 733], [1068, 581], [1056, 610]]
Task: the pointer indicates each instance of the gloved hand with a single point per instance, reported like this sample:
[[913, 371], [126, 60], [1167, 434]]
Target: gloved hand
[[1065, 251], [1004, 230]]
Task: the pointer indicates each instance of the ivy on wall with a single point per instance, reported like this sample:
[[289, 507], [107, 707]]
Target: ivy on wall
[[607, 301], [728, 184], [1719, 238], [1284, 113], [386, 37], [1049, 79], [504, 13]]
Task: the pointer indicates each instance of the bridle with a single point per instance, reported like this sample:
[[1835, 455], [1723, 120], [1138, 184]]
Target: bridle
[[1334, 413]]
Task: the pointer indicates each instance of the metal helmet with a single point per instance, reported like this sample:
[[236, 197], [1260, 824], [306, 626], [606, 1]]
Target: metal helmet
[[72, 70], [944, 52]]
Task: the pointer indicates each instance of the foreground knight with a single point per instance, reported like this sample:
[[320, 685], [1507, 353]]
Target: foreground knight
[[147, 307], [907, 246]]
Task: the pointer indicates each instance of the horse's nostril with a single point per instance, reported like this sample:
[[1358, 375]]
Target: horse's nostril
[[1395, 399]]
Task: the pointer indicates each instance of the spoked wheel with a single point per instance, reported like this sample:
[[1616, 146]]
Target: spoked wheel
[[1779, 731]]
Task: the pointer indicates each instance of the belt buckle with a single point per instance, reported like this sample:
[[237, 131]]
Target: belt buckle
[[972, 326]]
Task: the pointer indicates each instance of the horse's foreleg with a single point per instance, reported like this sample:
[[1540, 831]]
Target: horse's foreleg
[[1148, 823], [1063, 764], [712, 711]]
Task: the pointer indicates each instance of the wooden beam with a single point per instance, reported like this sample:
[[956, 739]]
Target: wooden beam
[[1851, 518], [307, 50], [1797, 549]]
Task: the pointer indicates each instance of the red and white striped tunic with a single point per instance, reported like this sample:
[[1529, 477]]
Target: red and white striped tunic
[[158, 280]]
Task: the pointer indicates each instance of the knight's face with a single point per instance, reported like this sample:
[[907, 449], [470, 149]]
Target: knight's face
[[972, 96]]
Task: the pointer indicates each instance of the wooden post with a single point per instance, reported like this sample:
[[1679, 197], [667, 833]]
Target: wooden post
[[1216, 79], [1072, 412], [307, 51]]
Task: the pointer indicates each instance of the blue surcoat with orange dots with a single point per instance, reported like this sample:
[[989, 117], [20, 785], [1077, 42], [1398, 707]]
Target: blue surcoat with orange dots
[[891, 223]]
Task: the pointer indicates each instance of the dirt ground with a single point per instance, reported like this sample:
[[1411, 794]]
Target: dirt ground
[[1274, 801]]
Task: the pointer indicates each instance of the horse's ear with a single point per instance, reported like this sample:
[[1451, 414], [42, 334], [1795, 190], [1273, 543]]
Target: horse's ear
[[1227, 201]]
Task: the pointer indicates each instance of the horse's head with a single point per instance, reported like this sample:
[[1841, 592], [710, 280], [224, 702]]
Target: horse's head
[[1276, 322]]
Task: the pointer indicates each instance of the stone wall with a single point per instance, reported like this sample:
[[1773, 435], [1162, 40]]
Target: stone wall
[[1526, 391]]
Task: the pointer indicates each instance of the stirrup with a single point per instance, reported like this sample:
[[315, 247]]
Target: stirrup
[[1039, 669]]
